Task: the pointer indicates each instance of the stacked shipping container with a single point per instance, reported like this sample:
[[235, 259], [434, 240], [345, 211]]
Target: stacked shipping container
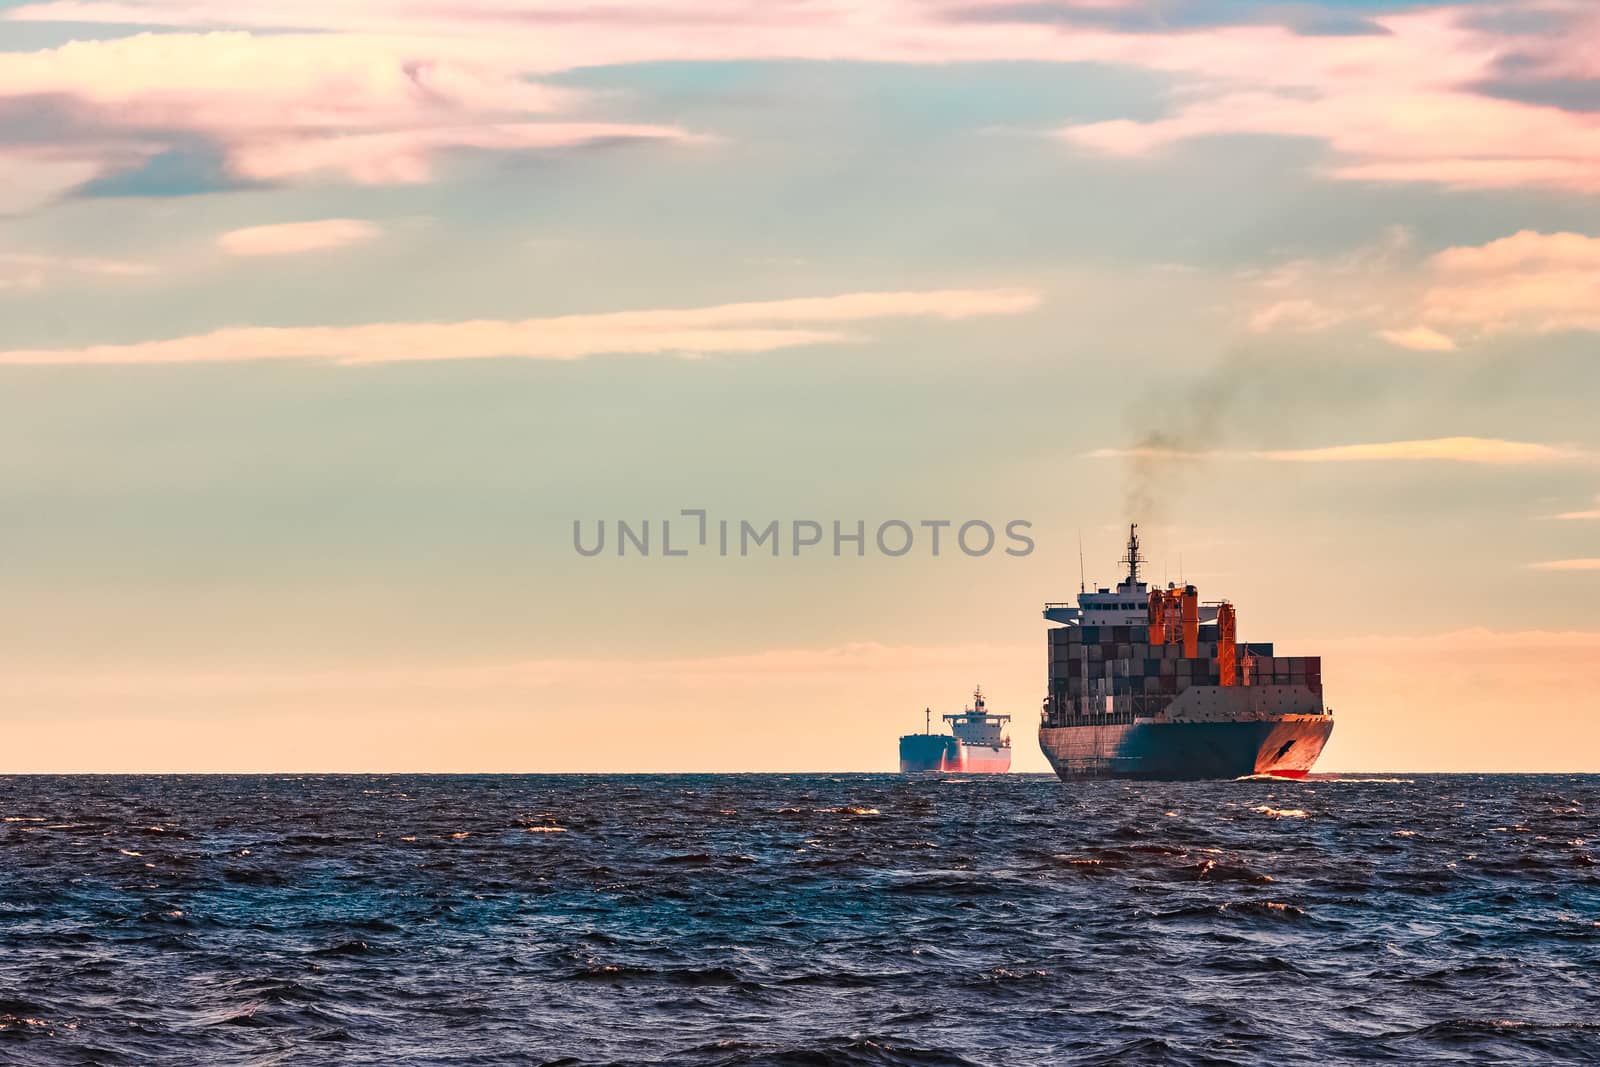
[[1119, 662]]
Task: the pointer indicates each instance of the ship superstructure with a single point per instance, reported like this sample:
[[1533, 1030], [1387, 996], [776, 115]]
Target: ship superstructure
[[1154, 684], [976, 744]]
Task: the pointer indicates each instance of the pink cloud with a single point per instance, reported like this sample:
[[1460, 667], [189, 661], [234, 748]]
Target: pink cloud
[[1402, 105], [1394, 132], [748, 327], [368, 108]]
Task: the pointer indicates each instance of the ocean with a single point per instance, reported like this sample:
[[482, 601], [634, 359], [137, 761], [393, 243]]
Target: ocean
[[798, 919]]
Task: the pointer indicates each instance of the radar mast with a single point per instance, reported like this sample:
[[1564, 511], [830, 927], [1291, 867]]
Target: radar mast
[[1133, 558]]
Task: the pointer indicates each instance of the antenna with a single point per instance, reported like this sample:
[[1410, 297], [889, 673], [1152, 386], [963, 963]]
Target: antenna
[[1082, 586], [927, 720], [1133, 558]]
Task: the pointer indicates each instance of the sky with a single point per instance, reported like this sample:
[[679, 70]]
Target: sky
[[322, 324]]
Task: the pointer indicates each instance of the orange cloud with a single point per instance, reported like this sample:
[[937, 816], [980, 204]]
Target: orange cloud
[[1476, 450], [1521, 250], [784, 709], [1453, 449], [1528, 282], [1419, 339], [1402, 703], [1447, 701], [1567, 565], [748, 327]]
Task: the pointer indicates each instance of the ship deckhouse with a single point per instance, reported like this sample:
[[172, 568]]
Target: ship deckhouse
[[977, 725], [1126, 605]]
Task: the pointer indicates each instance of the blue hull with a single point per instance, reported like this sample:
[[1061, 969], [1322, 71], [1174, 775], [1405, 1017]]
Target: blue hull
[[926, 752], [1286, 747]]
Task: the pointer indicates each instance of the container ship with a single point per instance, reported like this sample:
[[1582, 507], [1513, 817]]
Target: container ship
[[1152, 683], [976, 744]]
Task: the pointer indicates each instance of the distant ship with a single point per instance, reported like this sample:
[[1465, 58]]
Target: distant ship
[[1154, 684], [976, 744]]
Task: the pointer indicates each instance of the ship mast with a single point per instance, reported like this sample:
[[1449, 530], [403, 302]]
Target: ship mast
[[1083, 586], [1133, 558]]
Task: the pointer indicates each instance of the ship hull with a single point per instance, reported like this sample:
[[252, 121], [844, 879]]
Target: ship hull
[[1285, 746], [921, 753], [925, 752]]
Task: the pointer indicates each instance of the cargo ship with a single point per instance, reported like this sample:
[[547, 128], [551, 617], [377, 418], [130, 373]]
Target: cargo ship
[[1152, 683], [976, 744]]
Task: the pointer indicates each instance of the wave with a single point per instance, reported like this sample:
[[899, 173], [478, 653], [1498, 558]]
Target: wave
[[1282, 813], [776, 920]]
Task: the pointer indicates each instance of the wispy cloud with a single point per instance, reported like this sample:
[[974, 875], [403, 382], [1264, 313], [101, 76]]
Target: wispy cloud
[[1305, 295], [1584, 515], [1567, 565], [844, 661], [749, 327], [28, 271], [1299, 315], [289, 238], [1477, 450]]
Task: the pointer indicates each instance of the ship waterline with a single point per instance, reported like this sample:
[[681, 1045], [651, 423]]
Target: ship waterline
[[1284, 747]]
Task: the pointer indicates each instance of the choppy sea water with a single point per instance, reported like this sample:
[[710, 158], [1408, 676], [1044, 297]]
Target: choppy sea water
[[797, 920]]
